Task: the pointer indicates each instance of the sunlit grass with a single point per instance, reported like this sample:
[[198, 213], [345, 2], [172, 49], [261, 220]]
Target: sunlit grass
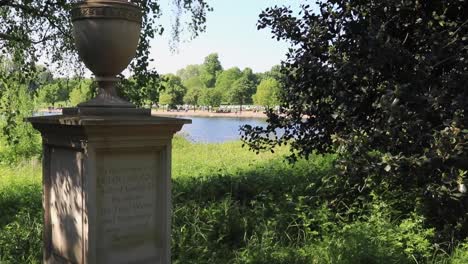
[[233, 206], [202, 159], [24, 173]]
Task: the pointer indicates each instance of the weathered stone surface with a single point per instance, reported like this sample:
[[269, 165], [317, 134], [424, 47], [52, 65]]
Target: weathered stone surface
[[66, 203], [128, 206], [107, 188]]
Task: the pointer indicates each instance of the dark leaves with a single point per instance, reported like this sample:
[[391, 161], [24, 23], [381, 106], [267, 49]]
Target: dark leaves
[[383, 83]]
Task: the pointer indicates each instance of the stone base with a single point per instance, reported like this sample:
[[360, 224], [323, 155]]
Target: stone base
[[106, 182]]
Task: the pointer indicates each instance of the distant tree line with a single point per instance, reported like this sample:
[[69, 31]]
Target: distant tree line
[[207, 84]]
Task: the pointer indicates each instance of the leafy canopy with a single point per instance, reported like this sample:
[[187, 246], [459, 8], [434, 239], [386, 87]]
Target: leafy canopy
[[31, 30], [210, 69], [383, 83], [173, 91], [267, 93], [227, 78]]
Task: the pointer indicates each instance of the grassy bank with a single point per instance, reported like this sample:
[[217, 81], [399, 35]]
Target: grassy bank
[[232, 206]]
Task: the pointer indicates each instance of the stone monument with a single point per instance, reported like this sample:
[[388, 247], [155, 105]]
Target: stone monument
[[106, 163]]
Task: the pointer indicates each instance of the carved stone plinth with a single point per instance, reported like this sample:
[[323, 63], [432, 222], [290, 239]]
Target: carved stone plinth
[[107, 188]]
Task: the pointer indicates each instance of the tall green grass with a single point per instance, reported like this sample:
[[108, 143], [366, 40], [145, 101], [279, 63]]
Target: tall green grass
[[232, 206], [21, 213]]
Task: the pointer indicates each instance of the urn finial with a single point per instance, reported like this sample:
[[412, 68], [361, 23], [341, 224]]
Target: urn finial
[[106, 35]]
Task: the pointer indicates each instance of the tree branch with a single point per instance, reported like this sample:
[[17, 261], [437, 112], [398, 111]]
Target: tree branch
[[8, 37]]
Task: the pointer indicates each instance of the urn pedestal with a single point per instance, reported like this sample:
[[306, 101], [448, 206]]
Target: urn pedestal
[[107, 188], [106, 163]]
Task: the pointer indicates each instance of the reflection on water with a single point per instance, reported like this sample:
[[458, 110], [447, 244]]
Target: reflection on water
[[217, 129]]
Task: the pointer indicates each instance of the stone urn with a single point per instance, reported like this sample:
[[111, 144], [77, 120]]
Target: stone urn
[[106, 34]]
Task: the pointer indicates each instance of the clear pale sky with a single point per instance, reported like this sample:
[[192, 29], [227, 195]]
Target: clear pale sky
[[231, 32]]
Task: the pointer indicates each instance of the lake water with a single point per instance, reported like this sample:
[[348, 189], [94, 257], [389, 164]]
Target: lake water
[[211, 129], [217, 129]]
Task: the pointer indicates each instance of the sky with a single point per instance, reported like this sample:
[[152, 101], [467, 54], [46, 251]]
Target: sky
[[231, 32]]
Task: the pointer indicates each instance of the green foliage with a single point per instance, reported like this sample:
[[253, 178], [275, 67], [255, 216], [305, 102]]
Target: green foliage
[[206, 84], [240, 207], [192, 97], [210, 69], [267, 93], [193, 83], [174, 91], [48, 94], [42, 29], [460, 255], [226, 79], [275, 73], [210, 97], [82, 92], [21, 217], [58, 90], [243, 88], [383, 83], [18, 140], [21, 239], [189, 72], [250, 75], [376, 239], [241, 91], [190, 160]]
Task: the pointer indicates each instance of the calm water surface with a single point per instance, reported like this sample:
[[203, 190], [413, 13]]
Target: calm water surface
[[217, 129], [211, 129]]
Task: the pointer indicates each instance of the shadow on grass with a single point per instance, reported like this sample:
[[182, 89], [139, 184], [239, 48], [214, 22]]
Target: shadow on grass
[[261, 215], [18, 198], [249, 215], [275, 177], [21, 224]]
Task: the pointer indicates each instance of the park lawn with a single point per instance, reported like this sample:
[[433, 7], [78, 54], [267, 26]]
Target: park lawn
[[217, 159], [233, 206]]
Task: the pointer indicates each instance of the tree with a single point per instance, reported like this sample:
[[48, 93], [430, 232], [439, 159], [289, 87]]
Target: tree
[[192, 96], [165, 99], [41, 30], [82, 92], [210, 69], [383, 84], [241, 91], [189, 72], [44, 75], [30, 30], [173, 91], [274, 72], [226, 79], [152, 92], [18, 140], [210, 97], [48, 94], [193, 83], [243, 88], [57, 90], [251, 76], [267, 93]]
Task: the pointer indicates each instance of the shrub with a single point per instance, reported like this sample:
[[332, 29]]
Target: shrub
[[18, 140]]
